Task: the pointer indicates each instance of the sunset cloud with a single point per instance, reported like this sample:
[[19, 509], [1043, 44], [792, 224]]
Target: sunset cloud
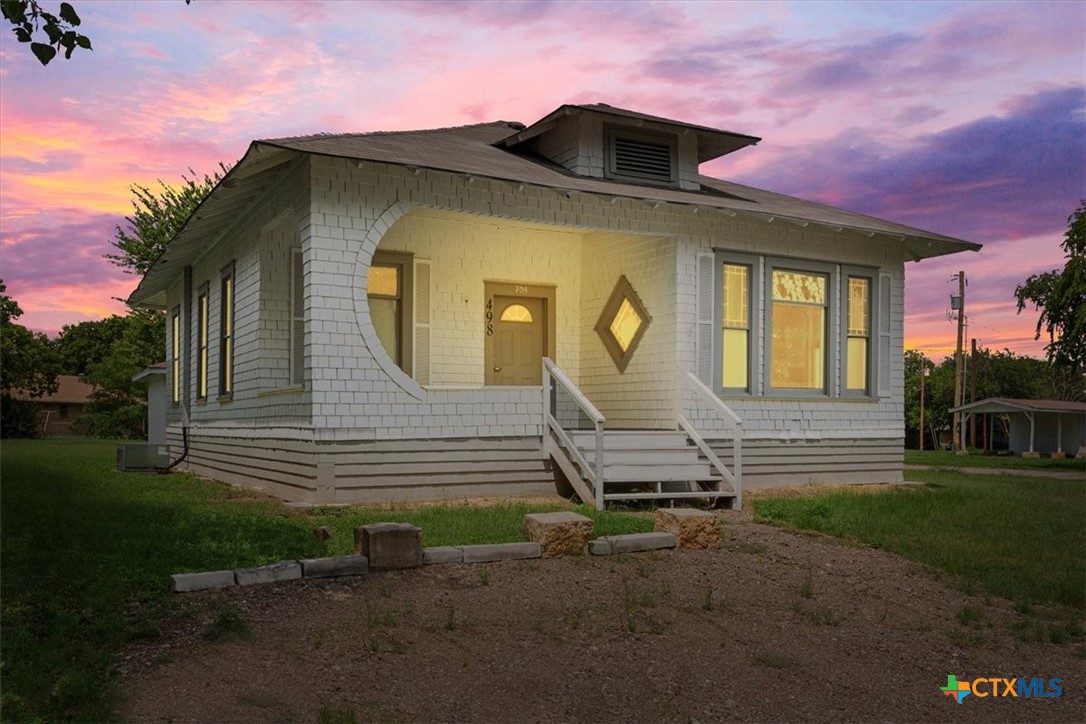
[[962, 118]]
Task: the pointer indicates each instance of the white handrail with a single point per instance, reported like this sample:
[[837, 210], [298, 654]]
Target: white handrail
[[707, 394], [686, 377], [551, 371], [583, 402]]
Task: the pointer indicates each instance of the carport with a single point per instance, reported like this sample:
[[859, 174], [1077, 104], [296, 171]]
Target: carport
[[1036, 425]]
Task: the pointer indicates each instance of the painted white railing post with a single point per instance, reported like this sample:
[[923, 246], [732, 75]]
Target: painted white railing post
[[698, 387], [599, 465], [546, 442]]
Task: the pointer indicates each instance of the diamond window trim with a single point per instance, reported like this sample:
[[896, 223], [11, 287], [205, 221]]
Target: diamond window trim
[[623, 300]]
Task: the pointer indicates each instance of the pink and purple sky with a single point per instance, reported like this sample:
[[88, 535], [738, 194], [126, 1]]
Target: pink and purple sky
[[964, 118]]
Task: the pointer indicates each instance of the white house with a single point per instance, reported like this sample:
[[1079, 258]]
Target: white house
[[365, 317]]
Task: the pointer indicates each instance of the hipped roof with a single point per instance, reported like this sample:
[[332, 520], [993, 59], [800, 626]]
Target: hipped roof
[[71, 390], [478, 151]]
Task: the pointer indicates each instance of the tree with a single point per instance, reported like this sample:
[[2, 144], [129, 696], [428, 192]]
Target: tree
[[27, 364], [81, 346], [30, 21], [1061, 297], [157, 218], [117, 406]]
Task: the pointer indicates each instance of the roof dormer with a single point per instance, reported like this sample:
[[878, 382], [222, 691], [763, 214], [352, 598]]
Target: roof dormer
[[601, 141]]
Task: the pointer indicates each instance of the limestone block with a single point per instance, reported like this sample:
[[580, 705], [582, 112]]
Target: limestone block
[[487, 553], [335, 566], [559, 534], [389, 546], [694, 529], [1033, 454], [281, 571], [442, 554], [184, 582]]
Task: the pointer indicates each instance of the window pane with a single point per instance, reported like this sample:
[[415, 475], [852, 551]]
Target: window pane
[[385, 314], [857, 363], [789, 286], [516, 313], [734, 343], [625, 324], [798, 346], [735, 296], [858, 290], [384, 280]]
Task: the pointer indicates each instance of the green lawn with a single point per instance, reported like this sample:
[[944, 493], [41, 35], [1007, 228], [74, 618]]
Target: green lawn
[[1021, 538], [87, 552], [949, 459]]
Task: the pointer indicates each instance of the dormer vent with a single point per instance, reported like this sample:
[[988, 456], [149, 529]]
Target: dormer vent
[[641, 156]]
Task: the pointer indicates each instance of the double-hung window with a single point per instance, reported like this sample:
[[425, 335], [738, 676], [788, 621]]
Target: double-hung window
[[226, 332], [175, 356], [389, 289], [202, 323], [790, 327], [857, 354]]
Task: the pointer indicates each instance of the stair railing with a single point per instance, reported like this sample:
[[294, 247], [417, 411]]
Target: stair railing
[[554, 378], [689, 381]]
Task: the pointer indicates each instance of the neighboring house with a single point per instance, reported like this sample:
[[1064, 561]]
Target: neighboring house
[[57, 412], [1036, 426], [365, 317]]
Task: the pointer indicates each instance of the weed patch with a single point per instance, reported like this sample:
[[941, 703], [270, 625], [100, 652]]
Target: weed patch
[[227, 625]]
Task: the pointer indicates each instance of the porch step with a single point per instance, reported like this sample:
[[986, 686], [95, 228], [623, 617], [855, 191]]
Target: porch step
[[670, 496], [685, 456], [657, 473], [632, 440]]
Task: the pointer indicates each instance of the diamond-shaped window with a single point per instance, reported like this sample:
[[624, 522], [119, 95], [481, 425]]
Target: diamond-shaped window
[[622, 323]]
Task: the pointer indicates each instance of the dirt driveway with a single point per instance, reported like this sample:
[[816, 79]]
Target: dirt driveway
[[776, 626]]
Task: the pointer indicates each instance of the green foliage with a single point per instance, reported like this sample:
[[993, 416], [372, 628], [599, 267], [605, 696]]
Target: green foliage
[[1060, 295], [117, 407], [158, 215], [1020, 538], [26, 360], [81, 346], [47, 33], [998, 374], [18, 418]]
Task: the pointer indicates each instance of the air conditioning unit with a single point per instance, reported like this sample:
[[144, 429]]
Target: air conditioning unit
[[142, 456]]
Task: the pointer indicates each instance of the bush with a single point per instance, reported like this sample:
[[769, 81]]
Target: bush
[[18, 418]]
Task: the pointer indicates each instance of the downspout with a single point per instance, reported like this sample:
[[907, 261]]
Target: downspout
[[186, 359]]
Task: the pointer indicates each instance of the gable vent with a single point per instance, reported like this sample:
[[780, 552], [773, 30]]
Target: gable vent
[[641, 158]]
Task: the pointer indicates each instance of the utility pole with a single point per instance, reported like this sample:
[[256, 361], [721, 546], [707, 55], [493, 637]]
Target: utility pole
[[959, 364], [923, 374], [973, 391]]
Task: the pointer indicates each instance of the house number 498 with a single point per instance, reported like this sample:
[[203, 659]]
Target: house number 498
[[489, 317]]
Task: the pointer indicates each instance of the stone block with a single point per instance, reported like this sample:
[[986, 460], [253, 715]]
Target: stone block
[[442, 554], [389, 546], [501, 552], [1031, 454], [636, 542], [694, 529], [335, 566], [281, 571], [558, 534], [185, 582], [601, 547]]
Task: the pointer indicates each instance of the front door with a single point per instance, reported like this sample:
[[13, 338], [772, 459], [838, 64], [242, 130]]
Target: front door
[[518, 342]]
